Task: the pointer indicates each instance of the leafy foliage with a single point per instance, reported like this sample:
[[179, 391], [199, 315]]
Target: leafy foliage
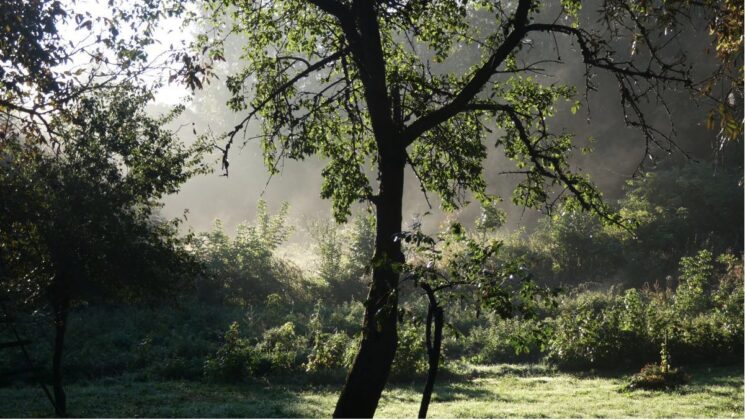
[[344, 255], [234, 360], [686, 325], [55, 53], [243, 269], [82, 216], [653, 376], [671, 208], [329, 351]]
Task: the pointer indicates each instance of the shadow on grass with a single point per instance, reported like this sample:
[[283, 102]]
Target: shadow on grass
[[455, 392], [452, 388], [126, 398], [706, 379]]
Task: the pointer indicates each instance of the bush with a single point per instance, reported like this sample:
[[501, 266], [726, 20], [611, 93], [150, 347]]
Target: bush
[[592, 331], [695, 274], [244, 269], [234, 361], [504, 341], [411, 359], [343, 256], [283, 347], [411, 354], [656, 376], [702, 321], [329, 351]]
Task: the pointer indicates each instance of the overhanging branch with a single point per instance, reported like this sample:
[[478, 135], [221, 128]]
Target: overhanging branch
[[591, 58], [479, 79], [540, 161], [278, 91]]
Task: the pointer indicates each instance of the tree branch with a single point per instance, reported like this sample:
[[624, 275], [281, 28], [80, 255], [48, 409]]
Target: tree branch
[[305, 73], [333, 7], [538, 159], [477, 81], [590, 57]]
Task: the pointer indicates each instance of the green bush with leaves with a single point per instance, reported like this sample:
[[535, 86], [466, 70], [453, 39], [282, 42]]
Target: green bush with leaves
[[691, 296], [283, 347], [579, 247], [591, 331], [328, 350], [244, 269], [503, 341], [344, 255], [234, 360], [700, 321], [411, 357]]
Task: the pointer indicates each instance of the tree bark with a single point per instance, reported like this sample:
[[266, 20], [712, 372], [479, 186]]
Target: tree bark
[[61, 307], [369, 373]]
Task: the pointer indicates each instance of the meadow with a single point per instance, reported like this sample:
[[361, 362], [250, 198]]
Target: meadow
[[477, 391]]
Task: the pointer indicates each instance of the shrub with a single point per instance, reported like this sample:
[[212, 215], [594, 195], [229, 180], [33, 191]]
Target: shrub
[[343, 255], [656, 376], [283, 347], [244, 269], [411, 353], [329, 352], [504, 341], [592, 332], [234, 360], [695, 274], [702, 321]]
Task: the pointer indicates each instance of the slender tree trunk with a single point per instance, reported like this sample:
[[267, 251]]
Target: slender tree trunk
[[61, 306], [371, 367], [434, 314]]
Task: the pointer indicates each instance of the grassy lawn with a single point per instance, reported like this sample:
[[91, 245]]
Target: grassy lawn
[[485, 391]]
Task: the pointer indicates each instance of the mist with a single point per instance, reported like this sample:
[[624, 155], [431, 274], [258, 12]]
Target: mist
[[619, 151]]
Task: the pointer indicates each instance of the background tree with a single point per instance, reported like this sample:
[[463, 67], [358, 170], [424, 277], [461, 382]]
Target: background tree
[[78, 222], [376, 84], [457, 267]]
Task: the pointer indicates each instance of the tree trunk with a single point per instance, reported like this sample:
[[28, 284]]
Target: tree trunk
[[371, 367], [61, 306], [434, 313]]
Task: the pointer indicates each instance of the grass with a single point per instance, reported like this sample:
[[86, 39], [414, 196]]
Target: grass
[[496, 391]]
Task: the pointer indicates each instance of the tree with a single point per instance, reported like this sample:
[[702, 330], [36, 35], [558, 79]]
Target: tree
[[381, 84], [52, 53], [457, 267], [78, 222]]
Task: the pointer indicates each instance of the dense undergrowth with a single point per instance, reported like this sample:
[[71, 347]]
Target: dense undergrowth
[[700, 322], [252, 314]]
